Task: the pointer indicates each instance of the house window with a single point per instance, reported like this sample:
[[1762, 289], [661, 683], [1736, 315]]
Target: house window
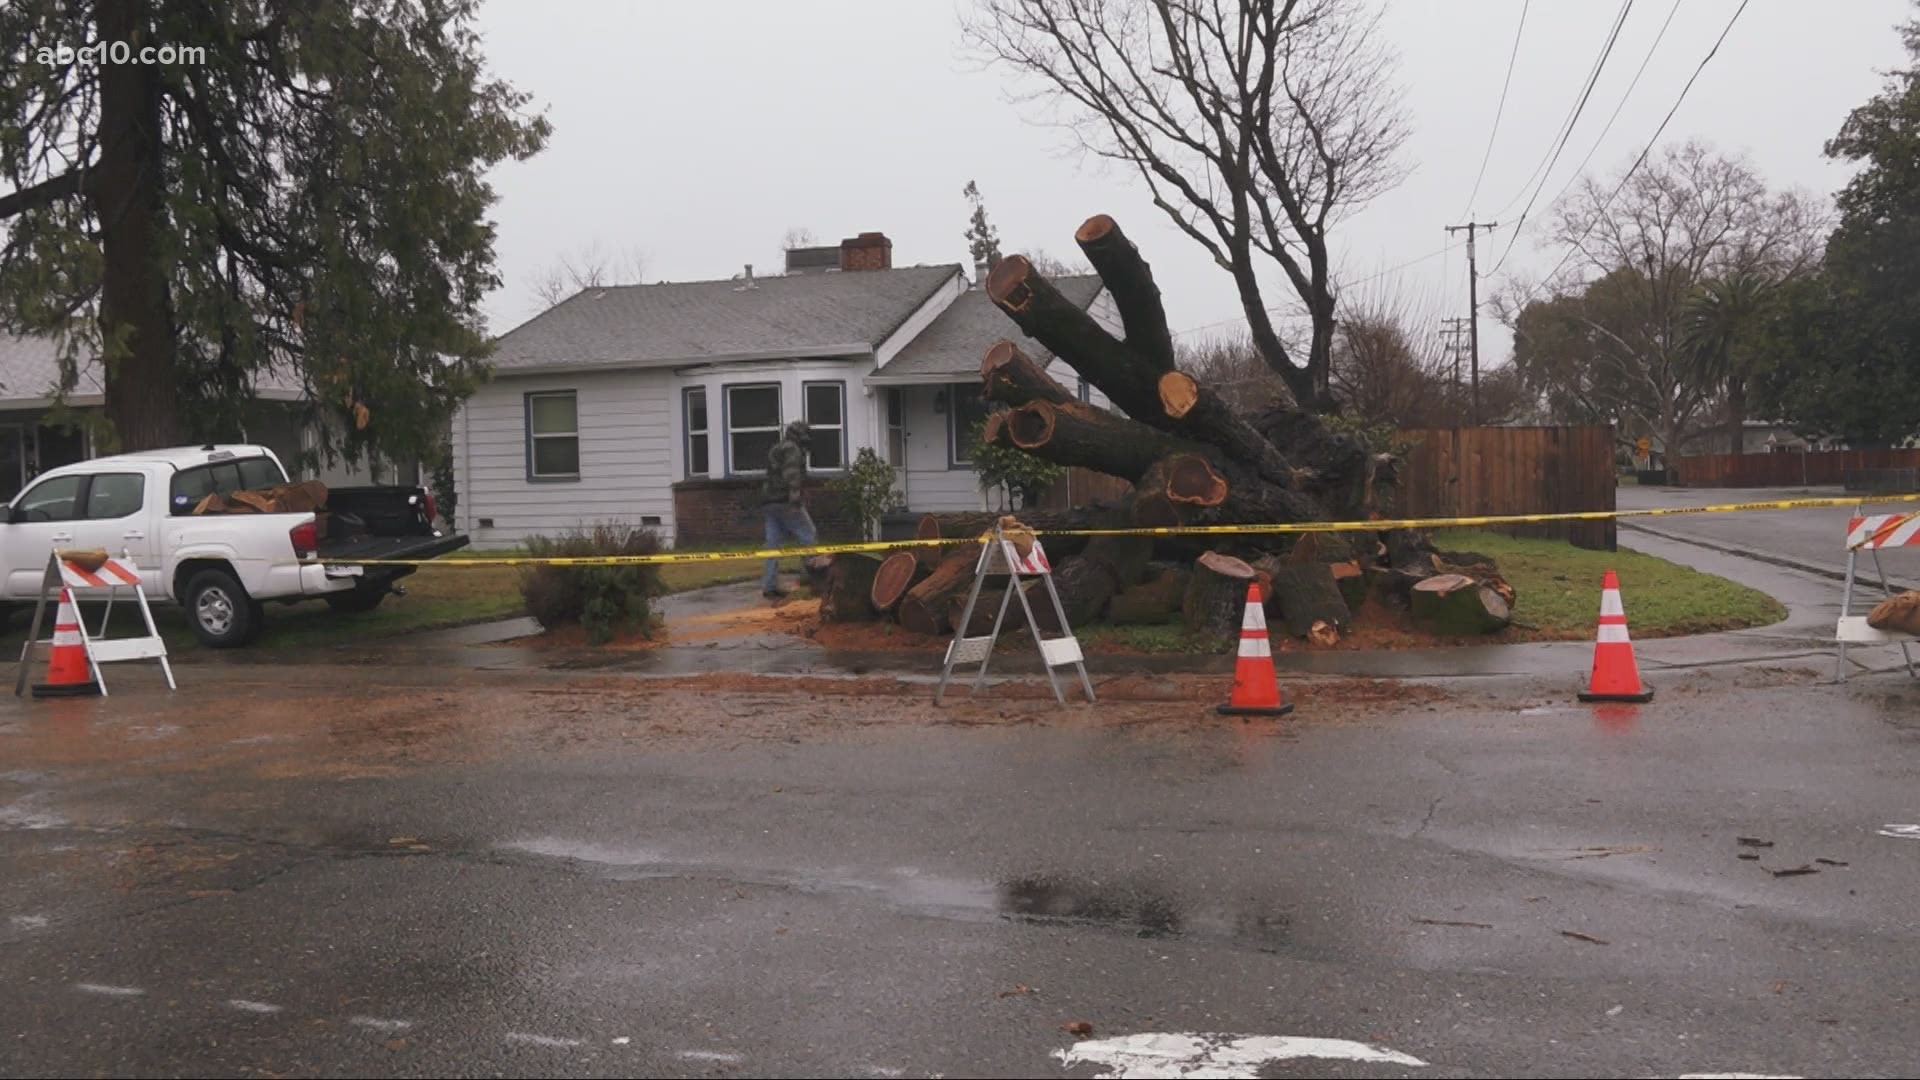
[[698, 463], [753, 426], [896, 426], [1086, 393], [553, 436], [965, 410], [826, 404]]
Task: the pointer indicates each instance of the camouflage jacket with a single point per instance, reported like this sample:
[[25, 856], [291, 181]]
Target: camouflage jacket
[[786, 471]]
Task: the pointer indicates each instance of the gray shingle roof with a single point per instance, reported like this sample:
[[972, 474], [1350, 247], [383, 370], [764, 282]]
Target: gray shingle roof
[[711, 320], [30, 372], [953, 344]]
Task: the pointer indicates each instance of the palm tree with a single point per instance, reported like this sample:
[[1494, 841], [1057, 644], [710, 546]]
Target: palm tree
[[1717, 327]]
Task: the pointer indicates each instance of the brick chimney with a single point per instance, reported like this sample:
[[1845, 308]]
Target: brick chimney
[[868, 251]]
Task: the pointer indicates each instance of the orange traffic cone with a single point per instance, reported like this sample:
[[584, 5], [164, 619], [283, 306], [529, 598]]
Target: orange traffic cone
[[1615, 675], [69, 670], [1256, 689]]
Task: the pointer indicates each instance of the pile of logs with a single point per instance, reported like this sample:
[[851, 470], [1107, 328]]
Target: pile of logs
[[1192, 460]]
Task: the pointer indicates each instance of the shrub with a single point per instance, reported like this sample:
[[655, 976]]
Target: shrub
[[604, 599], [868, 490], [1021, 477]]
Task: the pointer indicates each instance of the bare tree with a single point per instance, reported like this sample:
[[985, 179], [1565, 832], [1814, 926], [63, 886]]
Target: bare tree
[[1612, 339], [798, 236], [590, 267], [1254, 125]]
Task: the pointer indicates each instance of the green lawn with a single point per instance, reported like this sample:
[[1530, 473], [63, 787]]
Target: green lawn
[[437, 597], [1557, 588]]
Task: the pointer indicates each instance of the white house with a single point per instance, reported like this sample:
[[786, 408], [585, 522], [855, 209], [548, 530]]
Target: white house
[[656, 404]]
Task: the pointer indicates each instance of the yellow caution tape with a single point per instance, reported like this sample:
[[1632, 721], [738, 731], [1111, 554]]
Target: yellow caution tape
[[1252, 529]]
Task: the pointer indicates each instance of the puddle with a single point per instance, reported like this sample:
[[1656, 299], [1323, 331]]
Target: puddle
[[1041, 897]]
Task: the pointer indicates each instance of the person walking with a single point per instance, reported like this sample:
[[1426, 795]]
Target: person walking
[[783, 499]]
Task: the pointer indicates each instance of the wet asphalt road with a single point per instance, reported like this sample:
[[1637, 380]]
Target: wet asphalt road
[[1810, 537], [367, 872]]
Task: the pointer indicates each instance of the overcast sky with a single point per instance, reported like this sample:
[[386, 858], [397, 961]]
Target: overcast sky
[[697, 134]]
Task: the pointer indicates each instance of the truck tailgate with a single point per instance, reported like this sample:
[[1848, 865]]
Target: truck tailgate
[[390, 547]]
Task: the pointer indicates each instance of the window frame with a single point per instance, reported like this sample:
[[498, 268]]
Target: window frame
[[92, 487], [687, 432], [841, 428], [726, 422], [896, 405], [954, 460], [83, 482], [534, 476]]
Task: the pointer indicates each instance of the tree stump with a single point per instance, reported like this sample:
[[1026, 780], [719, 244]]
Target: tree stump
[[988, 606], [898, 573], [1455, 604], [848, 596], [1216, 595], [1085, 586]]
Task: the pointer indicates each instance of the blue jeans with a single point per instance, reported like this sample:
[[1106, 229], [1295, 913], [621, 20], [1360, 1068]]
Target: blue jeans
[[785, 523]]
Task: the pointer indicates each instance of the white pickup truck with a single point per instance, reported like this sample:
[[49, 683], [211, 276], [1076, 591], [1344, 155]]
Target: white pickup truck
[[220, 567]]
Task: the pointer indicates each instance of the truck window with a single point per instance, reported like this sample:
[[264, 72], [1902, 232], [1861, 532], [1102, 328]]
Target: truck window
[[115, 495], [257, 473], [51, 500], [245, 474]]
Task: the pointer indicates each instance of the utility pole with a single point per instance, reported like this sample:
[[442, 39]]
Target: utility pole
[[1473, 304], [1453, 330]]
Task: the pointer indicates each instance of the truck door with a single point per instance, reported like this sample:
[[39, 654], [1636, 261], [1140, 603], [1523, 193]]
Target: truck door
[[40, 520], [114, 519]]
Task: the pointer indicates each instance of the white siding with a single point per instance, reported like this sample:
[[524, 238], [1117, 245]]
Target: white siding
[[931, 484], [627, 423]]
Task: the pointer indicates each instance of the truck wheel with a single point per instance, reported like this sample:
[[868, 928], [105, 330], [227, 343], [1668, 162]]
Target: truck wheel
[[356, 600], [222, 613]]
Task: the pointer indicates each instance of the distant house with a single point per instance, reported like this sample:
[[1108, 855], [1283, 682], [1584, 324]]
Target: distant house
[[33, 439], [656, 404]]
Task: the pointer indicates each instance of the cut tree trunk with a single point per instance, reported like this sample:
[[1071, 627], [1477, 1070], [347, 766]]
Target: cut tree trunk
[[1310, 602], [924, 609], [1125, 558], [1197, 408], [1156, 601], [1216, 595], [1130, 281], [969, 526], [1085, 587], [1455, 604], [898, 573], [1077, 434], [849, 591], [1352, 582], [988, 606], [1011, 376]]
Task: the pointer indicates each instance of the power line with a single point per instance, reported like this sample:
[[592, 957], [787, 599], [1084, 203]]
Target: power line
[[1675, 10], [1565, 136], [1644, 151], [1573, 115], [1501, 108]]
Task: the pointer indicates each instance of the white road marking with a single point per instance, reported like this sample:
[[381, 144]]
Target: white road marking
[[261, 1007], [1735, 1076], [108, 991], [621, 1040], [375, 1023], [29, 922], [721, 1056], [549, 1041], [1179, 1054], [1901, 832], [887, 1072]]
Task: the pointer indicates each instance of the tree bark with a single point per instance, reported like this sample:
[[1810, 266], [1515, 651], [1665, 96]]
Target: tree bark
[[1012, 377], [1156, 601], [1085, 586], [1307, 594], [1216, 596], [1454, 604], [849, 592], [142, 394], [1076, 434], [898, 573], [988, 607], [923, 609], [1130, 280]]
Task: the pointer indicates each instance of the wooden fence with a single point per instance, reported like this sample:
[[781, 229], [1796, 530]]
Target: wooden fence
[[1467, 472], [1787, 470]]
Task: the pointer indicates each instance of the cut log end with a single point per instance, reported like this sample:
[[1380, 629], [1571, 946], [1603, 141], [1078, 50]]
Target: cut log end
[[1094, 229], [1191, 480], [1031, 425], [1217, 595], [900, 572], [1007, 283], [1455, 604], [1179, 393]]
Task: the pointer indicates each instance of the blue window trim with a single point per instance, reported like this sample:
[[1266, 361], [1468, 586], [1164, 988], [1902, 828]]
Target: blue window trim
[[840, 385], [726, 421], [526, 426], [686, 432]]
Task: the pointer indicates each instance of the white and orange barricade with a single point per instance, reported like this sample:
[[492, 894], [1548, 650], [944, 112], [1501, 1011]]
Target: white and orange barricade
[[1871, 533], [1000, 555], [69, 578]]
